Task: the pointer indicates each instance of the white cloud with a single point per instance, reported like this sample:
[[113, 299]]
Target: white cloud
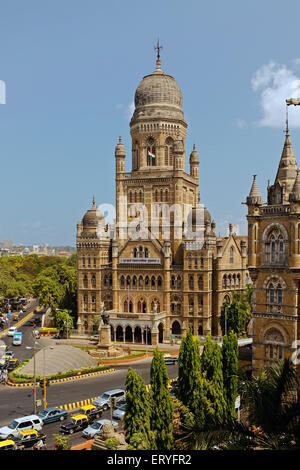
[[274, 83], [127, 109]]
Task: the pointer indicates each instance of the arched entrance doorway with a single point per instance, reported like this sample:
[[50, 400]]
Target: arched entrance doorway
[[176, 330], [128, 334], [160, 333], [137, 335], [119, 333]]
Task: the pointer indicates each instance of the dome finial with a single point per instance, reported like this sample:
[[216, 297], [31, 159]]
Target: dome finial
[[93, 200], [158, 47]]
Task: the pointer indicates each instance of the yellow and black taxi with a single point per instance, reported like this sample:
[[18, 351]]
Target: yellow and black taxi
[[8, 444], [13, 362], [91, 411], [75, 423], [28, 438]]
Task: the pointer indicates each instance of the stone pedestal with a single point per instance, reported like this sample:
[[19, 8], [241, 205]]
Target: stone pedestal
[[104, 342]]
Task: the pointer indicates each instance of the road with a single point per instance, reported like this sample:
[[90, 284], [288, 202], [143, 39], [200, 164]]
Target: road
[[16, 402]]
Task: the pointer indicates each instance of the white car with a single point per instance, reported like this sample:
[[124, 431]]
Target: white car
[[12, 330], [96, 428]]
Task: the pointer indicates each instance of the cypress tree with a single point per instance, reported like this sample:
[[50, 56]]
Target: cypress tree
[[230, 371], [137, 415], [161, 406], [188, 368], [211, 368]]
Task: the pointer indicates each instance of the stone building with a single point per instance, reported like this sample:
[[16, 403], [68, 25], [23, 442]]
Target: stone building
[[173, 273], [274, 262]]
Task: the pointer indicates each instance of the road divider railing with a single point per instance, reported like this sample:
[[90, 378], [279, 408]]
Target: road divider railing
[[65, 379]]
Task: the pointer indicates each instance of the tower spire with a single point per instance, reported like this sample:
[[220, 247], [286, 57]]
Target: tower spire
[[254, 195]]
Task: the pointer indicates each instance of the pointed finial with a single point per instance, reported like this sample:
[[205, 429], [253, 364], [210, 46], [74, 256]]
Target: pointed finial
[[286, 122], [93, 201], [120, 139], [194, 147], [158, 47]]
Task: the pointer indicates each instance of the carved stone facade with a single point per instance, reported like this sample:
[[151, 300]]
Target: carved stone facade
[[274, 262], [161, 278]]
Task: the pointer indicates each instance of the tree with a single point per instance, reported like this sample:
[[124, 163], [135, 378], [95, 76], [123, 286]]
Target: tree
[[188, 367], [161, 407], [211, 368], [235, 316], [137, 414], [272, 398], [230, 366]]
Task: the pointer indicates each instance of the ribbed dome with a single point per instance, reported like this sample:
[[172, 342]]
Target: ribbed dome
[[194, 157], [200, 213], [92, 217], [159, 96]]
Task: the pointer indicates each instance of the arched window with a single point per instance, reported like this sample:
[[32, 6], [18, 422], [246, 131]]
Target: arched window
[[274, 295], [147, 282], [200, 283], [93, 281], [128, 281], [274, 248], [191, 282], [146, 253], [159, 282], [153, 282], [141, 196], [85, 281], [135, 252], [173, 284], [179, 282], [141, 282], [134, 282], [224, 283], [166, 156], [122, 282], [141, 252]]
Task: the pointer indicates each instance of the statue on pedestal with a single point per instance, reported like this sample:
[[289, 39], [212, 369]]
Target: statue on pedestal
[[104, 315]]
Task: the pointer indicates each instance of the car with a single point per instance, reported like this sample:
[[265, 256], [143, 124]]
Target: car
[[75, 423], [10, 354], [21, 424], [91, 411], [8, 444], [17, 339], [49, 415], [12, 330], [104, 401], [15, 316], [171, 359], [119, 412], [28, 438], [12, 363], [96, 428]]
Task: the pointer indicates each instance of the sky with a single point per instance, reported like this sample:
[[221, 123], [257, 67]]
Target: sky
[[68, 74]]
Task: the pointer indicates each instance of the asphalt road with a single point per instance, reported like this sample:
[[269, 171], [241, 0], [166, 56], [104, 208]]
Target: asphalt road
[[16, 402]]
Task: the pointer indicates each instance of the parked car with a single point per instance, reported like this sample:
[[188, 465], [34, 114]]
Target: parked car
[[119, 412], [21, 424], [12, 330], [75, 423], [49, 415], [171, 359], [17, 339], [29, 438], [96, 428], [12, 363], [91, 411], [104, 401]]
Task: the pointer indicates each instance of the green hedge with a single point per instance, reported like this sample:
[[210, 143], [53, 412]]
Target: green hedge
[[17, 377]]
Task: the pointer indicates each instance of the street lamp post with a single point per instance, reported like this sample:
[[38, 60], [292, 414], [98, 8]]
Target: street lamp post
[[34, 376], [45, 400]]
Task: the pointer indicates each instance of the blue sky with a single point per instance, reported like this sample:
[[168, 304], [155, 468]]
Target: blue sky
[[71, 68]]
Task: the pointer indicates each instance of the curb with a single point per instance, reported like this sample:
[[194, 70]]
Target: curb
[[66, 379], [127, 360]]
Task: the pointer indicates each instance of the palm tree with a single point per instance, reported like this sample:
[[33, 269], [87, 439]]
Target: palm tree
[[273, 403]]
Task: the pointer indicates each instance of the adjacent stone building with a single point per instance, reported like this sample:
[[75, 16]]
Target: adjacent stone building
[[173, 273], [274, 262]]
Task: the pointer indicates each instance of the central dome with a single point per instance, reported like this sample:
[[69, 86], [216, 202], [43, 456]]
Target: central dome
[[158, 96]]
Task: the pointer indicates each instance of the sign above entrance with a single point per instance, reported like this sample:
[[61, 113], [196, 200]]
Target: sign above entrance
[[140, 260]]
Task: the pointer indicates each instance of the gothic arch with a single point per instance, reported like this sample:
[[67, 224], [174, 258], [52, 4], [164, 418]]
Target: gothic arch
[[272, 329], [273, 227]]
